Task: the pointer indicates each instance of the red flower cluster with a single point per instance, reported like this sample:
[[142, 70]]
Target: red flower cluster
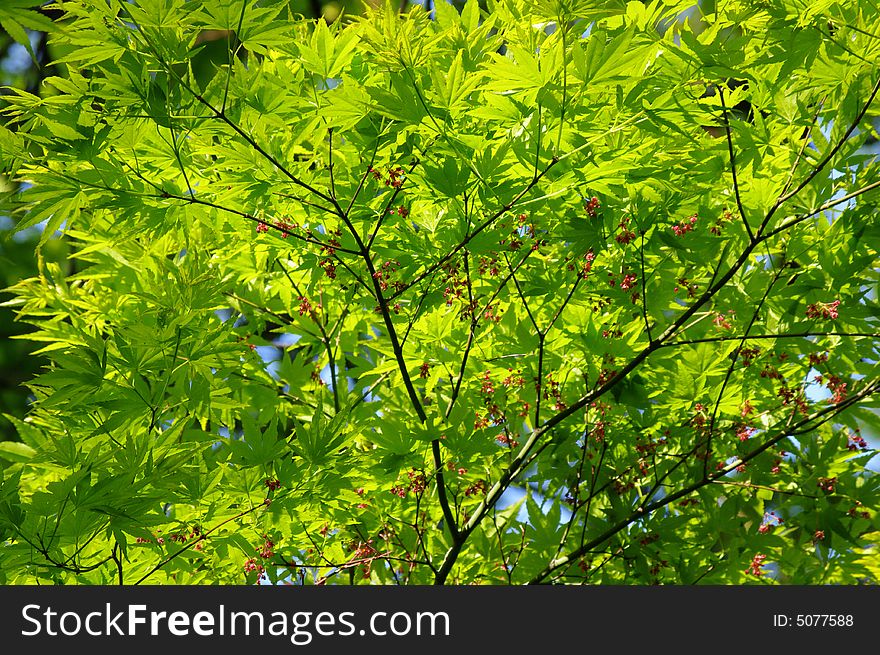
[[514, 379], [417, 484], [178, 537], [285, 226], [626, 235], [770, 520], [394, 179], [689, 287], [837, 387], [855, 441], [494, 413], [699, 418], [592, 206], [748, 354], [722, 320], [552, 391], [395, 176], [771, 372], [588, 263], [491, 313], [789, 396], [506, 439], [383, 275], [726, 217], [362, 549], [489, 265], [685, 226], [327, 251], [456, 284], [827, 484], [251, 565], [827, 310], [266, 551], [478, 487], [627, 282], [486, 384], [755, 566], [856, 512], [647, 448]]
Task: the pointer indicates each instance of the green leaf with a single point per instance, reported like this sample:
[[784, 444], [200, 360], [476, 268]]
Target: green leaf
[[17, 32], [16, 452]]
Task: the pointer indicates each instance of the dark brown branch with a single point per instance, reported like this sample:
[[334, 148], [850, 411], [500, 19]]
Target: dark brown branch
[[824, 162], [401, 364], [828, 205], [114, 555], [752, 337], [742, 211]]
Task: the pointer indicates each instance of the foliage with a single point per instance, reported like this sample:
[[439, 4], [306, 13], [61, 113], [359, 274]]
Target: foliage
[[17, 261], [17, 364], [19, 16], [340, 295]]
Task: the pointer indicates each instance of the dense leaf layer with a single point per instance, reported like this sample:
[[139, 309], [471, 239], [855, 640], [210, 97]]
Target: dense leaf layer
[[335, 300]]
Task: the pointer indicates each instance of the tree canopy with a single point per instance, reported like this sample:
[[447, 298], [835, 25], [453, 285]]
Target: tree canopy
[[335, 300]]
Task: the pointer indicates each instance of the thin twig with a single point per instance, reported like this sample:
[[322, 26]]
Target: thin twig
[[742, 211]]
